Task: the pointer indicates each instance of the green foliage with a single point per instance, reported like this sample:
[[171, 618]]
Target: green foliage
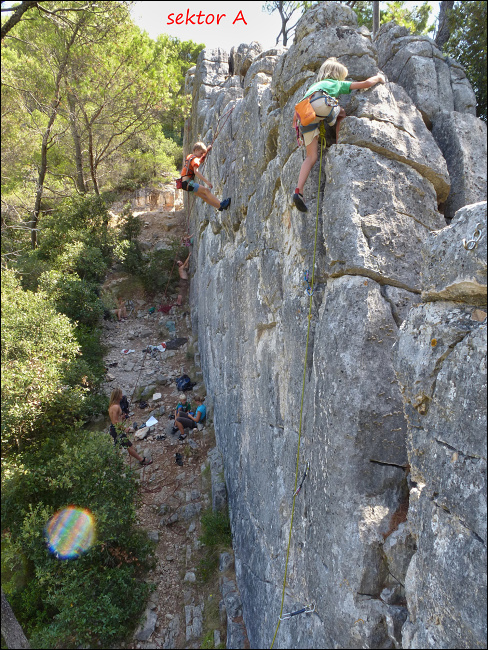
[[415, 18], [216, 535], [83, 601], [72, 296], [467, 44], [131, 226], [129, 254], [86, 261], [38, 346], [119, 128], [216, 528]]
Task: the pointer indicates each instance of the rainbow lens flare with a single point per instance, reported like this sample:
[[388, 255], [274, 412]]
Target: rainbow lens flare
[[70, 532]]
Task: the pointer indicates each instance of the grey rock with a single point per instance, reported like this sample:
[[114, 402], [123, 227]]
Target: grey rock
[[190, 511], [462, 140], [147, 627], [226, 561], [380, 189], [153, 535], [440, 360], [189, 577], [450, 270]]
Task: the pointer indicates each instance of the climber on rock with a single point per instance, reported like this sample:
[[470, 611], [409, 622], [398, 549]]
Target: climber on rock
[[330, 84], [184, 281], [190, 170]]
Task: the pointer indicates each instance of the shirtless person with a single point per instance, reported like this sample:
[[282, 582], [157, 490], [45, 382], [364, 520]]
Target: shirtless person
[[184, 282], [117, 431]]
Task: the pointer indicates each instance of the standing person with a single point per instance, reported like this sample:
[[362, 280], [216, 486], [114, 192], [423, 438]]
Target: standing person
[[121, 311], [184, 281], [331, 82], [117, 431], [188, 420], [190, 170]]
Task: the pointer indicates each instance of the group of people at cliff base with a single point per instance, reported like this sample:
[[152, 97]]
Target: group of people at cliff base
[[331, 82], [118, 411]]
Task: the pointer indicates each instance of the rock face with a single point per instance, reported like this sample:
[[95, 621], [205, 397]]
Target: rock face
[[440, 358], [382, 184]]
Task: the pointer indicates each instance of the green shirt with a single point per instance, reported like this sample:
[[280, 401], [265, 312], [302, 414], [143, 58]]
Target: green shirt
[[331, 86]]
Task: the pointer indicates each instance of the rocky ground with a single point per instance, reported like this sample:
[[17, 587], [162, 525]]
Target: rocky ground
[[172, 495]]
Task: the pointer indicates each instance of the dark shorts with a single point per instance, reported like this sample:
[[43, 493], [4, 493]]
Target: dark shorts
[[120, 438], [183, 288], [190, 186], [186, 422]]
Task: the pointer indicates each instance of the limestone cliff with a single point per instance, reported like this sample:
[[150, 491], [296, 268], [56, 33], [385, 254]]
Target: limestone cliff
[[385, 190]]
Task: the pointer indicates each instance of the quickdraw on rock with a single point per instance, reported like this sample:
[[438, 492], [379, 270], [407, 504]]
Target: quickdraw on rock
[[306, 278], [472, 243], [306, 610], [304, 477]]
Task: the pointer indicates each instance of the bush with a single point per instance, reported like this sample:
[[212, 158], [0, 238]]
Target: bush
[[129, 254], [38, 345], [72, 296], [216, 535], [84, 260], [83, 601]]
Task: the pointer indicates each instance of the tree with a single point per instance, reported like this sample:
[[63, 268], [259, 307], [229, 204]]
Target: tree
[[467, 44], [443, 23], [286, 11], [16, 17]]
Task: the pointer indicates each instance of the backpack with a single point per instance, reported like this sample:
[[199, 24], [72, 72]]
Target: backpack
[[186, 171], [124, 404], [184, 383]]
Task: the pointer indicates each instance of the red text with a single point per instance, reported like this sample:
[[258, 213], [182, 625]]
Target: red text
[[200, 18]]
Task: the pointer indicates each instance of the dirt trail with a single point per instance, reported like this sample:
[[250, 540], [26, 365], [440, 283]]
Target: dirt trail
[[171, 495]]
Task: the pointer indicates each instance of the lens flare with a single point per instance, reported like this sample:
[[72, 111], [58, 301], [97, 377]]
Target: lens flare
[[70, 532]]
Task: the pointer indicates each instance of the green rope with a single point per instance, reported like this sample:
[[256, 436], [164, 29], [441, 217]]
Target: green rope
[[303, 391]]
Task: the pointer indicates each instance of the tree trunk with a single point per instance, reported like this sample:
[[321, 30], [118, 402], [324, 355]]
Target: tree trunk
[[91, 155], [80, 180], [19, 11], [11, 631], [443, 27], [376, 17], [46, 135]]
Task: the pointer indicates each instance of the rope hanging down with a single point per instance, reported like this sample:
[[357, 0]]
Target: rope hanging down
[[305, 610]]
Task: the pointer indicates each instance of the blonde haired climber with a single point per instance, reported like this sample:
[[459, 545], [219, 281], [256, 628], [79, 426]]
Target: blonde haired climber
[[329, 85]]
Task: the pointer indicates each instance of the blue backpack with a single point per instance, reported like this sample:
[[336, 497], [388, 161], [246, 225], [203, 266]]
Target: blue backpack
[[184, 383]]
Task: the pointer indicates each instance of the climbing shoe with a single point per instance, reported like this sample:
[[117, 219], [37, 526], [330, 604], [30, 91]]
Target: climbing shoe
[[299, 202], [182, 436], [145, 461], [224, 205]]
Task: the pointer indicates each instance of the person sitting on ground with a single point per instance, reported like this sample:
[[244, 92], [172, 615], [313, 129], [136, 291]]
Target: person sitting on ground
[[190, 170], [121, 312], [183, 406], [330, 81], [188, 420], [117, 430], [184, 281]]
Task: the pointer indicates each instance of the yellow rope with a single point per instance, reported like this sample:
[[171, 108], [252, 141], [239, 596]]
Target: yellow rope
[[303, 391]]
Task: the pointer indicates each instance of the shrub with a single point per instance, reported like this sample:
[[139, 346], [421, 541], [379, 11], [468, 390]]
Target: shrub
[[83, 601], [72, 296], [38, 344]]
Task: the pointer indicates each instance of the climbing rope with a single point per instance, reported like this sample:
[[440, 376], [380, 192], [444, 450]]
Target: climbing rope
[[306, 609]]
